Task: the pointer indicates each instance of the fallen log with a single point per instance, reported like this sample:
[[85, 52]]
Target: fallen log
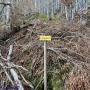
[[71, 53], [8, 31]]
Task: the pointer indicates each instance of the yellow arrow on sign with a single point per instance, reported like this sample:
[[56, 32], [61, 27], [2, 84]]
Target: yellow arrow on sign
[[45, 38]]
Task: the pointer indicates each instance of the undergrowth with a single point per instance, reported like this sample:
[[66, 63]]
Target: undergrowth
[[57, 72]]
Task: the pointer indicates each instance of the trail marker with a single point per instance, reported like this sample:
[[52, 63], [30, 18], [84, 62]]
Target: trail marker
[[45, 39]]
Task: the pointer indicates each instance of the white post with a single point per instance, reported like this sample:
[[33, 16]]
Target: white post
[[45, 65]]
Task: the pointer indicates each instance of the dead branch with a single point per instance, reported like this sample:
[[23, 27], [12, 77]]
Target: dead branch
[[28, 83]]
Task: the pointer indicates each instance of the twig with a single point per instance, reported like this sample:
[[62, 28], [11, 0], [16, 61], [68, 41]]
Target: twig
[[38, 84], [17, 66], [2, 56]]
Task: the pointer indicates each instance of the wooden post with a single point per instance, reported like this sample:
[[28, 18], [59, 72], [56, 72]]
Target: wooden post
[[45, 65], [45, 39]]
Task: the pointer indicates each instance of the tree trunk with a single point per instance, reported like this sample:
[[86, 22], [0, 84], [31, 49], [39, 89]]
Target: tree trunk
[[7, 11], [67, 10]]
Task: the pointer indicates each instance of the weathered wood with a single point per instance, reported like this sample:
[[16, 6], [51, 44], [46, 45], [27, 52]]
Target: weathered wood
[[12, 71]]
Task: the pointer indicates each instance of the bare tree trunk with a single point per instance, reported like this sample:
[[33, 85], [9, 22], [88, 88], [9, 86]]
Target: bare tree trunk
[[67, 10], [7, 11]]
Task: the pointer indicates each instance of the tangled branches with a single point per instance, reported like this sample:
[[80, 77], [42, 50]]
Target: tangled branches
[[8, 71]]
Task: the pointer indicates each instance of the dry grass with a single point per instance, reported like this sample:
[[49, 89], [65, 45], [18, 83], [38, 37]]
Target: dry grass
[[78, 80]]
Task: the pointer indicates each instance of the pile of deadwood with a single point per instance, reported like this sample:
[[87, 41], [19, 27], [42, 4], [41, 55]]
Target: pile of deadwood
[[10, 74], [70, 44]]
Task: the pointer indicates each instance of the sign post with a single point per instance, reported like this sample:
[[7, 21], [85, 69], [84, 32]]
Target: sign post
[[45, 39], [45, 65]]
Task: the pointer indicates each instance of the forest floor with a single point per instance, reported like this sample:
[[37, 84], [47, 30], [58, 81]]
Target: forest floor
[[70, 45]]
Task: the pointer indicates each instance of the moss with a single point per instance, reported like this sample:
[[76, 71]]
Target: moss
[[43, 16], [38, 15]]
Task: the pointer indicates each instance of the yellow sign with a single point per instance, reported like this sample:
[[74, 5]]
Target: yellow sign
[[45, 38]]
